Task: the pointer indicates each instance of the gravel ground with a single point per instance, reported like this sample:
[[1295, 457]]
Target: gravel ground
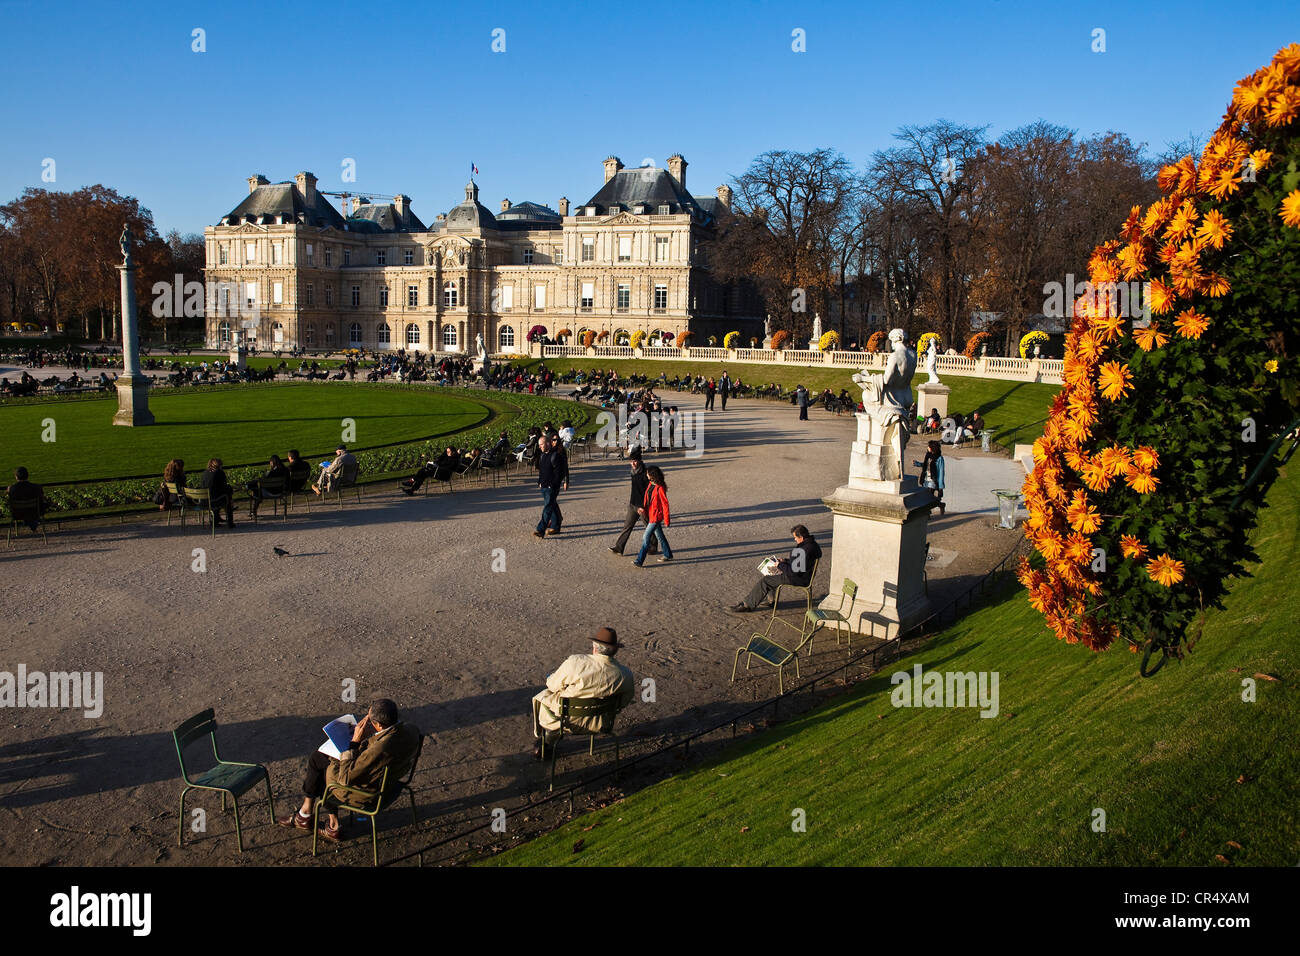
[[400, 596]]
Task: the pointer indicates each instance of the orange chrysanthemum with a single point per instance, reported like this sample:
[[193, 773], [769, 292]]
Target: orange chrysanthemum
[[1143, 482], [1288, 58], [1114, 379], [1145, 457], [1161, 297], [1165, 570], [1216, 286], [1215, 229], [1190, 324], [1226, 182], [1290, 212], [1131, 547], [1081, 516], [1282, 108], [1150, 337]]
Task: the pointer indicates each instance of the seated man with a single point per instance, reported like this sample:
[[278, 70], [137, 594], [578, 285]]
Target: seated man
[[380, 740], [299, 471], [220, 494], [497, 455], [23, 491], [342, 469], [582, 675], [440, 469], [796, 569]]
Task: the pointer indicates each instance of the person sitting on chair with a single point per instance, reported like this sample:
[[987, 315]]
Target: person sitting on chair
[[497, 455], [380, 740], [796, 570], [587, 676], [220, 494], [24, 490], [275, 471], [439, 469], [299, 471], [343, 465]]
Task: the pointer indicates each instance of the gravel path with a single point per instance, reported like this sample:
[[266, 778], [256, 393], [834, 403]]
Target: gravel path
[[400, 596]]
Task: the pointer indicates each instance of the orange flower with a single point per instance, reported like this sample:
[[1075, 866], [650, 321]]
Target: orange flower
[[1095, 477], [1250, 99], [1143, 482], [1226, 182], [1167, 178], [1050, 545], [1150, 337], [1165, 570], [1089, 349], [1215, 229], [1184, 221], [1190, 324], [1216, 286], [1291, 208], [1114, 459], [1078, 548], [1146, 458], [1283, 107], [1132, 260], [1155, 217], [1161, 297], [1259, 159], [1082, 517], [1131, 547], [1108, 327], [1288, 58], [1115, 379]]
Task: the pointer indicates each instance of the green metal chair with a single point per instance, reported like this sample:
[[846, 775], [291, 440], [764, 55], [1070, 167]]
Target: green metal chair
[[345, 482], [769, 651], [174, 494], [21, 511], [276, 491], [300, 483], [200, 500], [228, 776], [820, 617], [806, 589], [383, 797], [604, 708]]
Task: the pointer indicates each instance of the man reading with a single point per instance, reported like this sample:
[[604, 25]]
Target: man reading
[[583, 675], [796, 570]]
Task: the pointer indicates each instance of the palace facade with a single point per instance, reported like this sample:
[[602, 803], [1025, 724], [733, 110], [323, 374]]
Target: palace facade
[[285, 268]]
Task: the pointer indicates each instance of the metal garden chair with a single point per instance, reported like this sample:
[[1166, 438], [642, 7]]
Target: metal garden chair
[[228, 776], [383, 796]]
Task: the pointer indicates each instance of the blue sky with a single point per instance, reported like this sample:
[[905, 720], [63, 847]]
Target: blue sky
[[413, 92]]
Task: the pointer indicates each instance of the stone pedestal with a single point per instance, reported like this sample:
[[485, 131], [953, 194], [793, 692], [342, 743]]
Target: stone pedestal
[[133, 401], [239, 357], [881, 519], [930, 396]]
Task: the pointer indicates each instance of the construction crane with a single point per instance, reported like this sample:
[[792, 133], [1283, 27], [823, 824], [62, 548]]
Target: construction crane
[[345, 196]]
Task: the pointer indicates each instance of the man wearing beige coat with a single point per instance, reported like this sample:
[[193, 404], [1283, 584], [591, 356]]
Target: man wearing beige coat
[[583, 675]]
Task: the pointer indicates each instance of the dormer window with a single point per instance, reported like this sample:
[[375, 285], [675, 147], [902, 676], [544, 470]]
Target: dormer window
[[614, 208], [665, 210]]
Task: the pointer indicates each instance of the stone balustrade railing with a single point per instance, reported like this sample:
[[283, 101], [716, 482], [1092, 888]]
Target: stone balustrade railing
[[1047, 371]]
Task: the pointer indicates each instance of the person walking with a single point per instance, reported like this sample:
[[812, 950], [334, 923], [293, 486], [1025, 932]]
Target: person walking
[[656, 515], [932, 468], [552, 476], [710, 392], [724, 389], [636, 505], [801, 398]]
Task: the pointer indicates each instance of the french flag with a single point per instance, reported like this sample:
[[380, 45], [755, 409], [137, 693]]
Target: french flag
[[473, 170]]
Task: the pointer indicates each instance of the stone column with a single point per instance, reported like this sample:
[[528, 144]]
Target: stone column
[[931, 396], [132, 387]]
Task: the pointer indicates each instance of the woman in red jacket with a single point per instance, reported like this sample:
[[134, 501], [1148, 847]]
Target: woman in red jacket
[[656, 516]]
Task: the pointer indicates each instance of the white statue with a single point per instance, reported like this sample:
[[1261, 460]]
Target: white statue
[[482, 349], [817, 327], [886, 402], [931, 357]]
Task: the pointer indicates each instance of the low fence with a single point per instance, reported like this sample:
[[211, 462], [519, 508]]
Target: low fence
[[1046, 371]]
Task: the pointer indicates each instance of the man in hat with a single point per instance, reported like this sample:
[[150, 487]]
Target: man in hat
[[636, 506], [582, 675]]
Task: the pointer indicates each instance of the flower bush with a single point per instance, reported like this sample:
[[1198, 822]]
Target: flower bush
[[603, 336], [1029, 340], [779, 338], [536, 333], [1156, 457], [877, 342], [563, 334], [685, 339], [974, 344], [588, 337], [637, 338], [923, 343], [828, 341], [730, 339]]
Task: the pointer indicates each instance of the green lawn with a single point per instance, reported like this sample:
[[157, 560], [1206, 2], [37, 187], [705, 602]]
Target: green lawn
[[1015, 411], [241, 425], [1179, 763]]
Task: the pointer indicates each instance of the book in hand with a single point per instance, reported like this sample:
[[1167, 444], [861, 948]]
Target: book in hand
[[338, 736], [771, 565]]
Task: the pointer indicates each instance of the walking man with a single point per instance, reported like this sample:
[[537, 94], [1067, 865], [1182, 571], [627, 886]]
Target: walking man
[[710, 393], [801, 397], [552, 476], [724, 388], [639, 484]]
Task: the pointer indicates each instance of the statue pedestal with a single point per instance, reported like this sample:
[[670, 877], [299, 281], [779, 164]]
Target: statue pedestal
[[239, 358], [132, 401], [932, 395], [879, 544]]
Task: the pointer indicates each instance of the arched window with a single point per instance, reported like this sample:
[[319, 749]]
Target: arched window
[[449, 336], [223, 332], [506, 337], [382, 334], [309, 334], [412, 334], [329, 333], [449, 296], [277, 333], [354, 333], [622, 337]]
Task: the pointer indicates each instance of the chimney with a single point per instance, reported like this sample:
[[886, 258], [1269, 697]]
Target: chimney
[[677, 169], [505, 204], [442, 217], [255, 181], [612, 165], [306, 183], [400, 203], [357, 203], [724, 195], [564, 206]]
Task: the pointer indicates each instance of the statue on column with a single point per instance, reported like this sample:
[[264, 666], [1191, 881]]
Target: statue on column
[[886, 403], [125, 242], [482, 349], [931, 359]]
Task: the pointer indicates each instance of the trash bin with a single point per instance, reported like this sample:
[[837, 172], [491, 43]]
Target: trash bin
[[1007, 501], [984, 440]]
